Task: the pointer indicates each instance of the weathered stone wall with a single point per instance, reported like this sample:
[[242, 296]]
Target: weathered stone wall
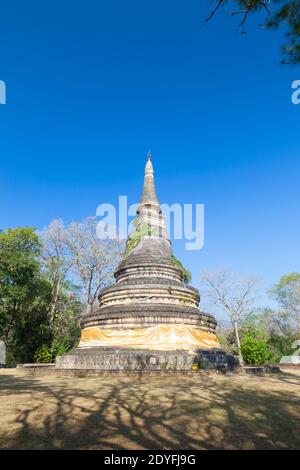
[[116, 359]]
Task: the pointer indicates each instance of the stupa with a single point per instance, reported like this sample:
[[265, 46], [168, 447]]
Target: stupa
[[149, 319]]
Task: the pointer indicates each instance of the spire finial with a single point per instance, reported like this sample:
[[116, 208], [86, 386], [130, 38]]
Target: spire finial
[[149, 155]]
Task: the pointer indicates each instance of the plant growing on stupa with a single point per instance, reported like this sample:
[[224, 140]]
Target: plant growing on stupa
[[186, 275], [136, 237]]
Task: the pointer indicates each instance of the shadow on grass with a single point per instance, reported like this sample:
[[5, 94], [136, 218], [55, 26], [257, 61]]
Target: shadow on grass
[[154, 413]]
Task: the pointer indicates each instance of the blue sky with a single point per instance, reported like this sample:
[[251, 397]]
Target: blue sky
[[92, 85]]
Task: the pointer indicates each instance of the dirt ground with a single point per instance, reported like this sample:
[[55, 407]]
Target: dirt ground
[[214, 412]]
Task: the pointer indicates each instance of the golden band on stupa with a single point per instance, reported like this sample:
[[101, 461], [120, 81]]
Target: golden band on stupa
[[160, 338]]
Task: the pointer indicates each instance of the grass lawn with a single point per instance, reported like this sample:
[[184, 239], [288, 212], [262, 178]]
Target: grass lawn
[[214, 412]]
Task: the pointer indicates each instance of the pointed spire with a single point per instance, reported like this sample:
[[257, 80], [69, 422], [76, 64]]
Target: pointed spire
[[149, 193], [149, 169], [149, 211]]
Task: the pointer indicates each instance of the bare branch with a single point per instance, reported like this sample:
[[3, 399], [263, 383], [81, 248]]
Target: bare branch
[[214, 11], [249, 7], [94, 259], [232, 295]]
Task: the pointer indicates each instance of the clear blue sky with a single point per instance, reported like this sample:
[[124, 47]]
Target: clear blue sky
[[92, 85]]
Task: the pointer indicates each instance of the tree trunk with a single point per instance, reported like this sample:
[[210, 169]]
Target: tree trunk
[[54, 300], [89, 308], [237, 336]]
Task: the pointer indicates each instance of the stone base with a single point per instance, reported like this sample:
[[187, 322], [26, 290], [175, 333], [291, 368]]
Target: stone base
[[145, 360]]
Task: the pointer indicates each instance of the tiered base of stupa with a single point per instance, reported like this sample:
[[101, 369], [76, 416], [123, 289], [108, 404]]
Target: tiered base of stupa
[[122, 359], [148, 320], [159, 347]]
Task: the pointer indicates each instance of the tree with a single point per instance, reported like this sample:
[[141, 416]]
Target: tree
[[39, 304], [64, 308], [233, 295], [93, 260], [24, 294], [32, 328], [287, 294], [56, 260], [65, 327], [272, 326], [275, 13], [19, 267]]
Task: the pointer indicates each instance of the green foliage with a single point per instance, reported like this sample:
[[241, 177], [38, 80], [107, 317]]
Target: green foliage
[[254, 351], [34, 328], [25, 297], [135, 238], [267, 327], [267, 334], [288, 278], [256, 324], [43, 354], [279, 346], [19, 267], [186, 275], [23, 292], [288, 15], [144, 230], [66, 328], [60, 347], [287, 292]]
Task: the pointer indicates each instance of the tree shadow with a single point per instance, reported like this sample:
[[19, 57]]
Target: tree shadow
[[230, 412]]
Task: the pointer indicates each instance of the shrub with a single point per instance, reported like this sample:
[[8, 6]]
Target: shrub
[[60, 346], [43, 354], [186, 275], [255, 351]]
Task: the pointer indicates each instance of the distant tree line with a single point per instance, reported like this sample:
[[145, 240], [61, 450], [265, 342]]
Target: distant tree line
[[258, 335], [48, 280]]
